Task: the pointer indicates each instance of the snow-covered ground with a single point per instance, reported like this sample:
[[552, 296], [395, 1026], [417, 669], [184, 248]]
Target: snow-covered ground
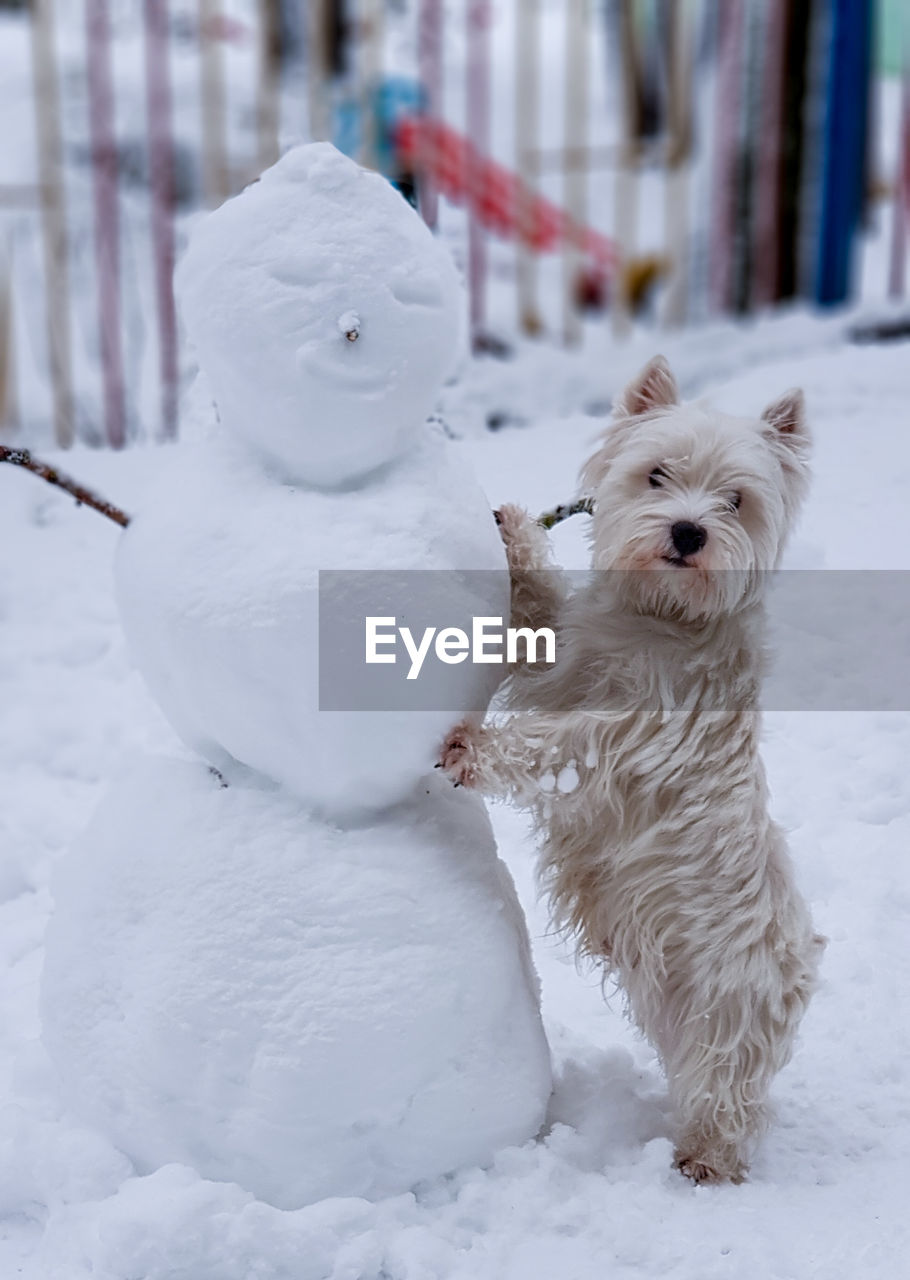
[[595, 1195]]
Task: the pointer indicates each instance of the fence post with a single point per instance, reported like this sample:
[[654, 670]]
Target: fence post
[[217, 180], [769, 145], [626, 185], [726, 140], [107, 220], [268, 104], [575, 184], [317, 40], [478, 122], [161, 191], [7, 357], [369, 70], [53, 220], [797, 42], [527, 122], [897, 267], [429, 71], [676, 24], [844, 163]]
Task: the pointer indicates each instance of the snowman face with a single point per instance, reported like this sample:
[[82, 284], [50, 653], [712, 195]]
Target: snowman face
[[369, 360], [325, 316]]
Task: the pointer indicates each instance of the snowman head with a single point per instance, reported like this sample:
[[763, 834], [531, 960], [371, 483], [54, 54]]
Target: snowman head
[[324, 314]]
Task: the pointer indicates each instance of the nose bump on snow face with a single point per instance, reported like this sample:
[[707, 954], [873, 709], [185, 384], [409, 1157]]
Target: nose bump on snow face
[[688, 537]]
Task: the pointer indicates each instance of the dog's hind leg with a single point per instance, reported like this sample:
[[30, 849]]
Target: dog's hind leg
[[718, 1083], [722, 1052]]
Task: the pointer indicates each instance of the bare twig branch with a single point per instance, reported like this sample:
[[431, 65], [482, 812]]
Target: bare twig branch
[[83, 496], [581, 506]]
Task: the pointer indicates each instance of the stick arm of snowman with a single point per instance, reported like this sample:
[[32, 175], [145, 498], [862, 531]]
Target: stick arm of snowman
[[556, 515], [84, 497]]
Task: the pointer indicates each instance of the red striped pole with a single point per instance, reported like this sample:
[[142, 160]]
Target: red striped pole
[[429, 56], [107, 223], [478, 128], [727, 108], [161, 185]]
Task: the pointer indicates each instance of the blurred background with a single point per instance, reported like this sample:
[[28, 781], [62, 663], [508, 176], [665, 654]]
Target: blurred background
[[599, 168]]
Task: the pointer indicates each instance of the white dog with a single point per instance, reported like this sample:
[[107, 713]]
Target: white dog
[[638, 750]]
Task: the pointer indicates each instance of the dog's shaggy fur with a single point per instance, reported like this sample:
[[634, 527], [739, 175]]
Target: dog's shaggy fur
[[638, 750]]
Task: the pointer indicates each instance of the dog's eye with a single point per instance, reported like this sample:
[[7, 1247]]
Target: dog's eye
[[735, 501], [656, 478]]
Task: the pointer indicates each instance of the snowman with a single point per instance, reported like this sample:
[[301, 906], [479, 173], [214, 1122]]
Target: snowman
[[293, 960]]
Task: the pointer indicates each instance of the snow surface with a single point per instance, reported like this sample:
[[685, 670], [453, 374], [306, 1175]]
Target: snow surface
[[595, 1195], [306, 1010]]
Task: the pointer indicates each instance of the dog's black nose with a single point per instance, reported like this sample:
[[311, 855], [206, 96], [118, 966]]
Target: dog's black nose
[[688, 537]]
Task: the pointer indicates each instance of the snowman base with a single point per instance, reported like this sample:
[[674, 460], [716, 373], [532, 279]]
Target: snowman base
[[304, 1009]]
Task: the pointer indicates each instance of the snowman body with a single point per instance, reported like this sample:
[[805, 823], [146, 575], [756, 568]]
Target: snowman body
[[277, 1001], [310, 975], [219, 590]]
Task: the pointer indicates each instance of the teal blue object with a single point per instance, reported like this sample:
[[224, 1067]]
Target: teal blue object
[[390, 101], [393, 98], [892, 16], [347, 126]]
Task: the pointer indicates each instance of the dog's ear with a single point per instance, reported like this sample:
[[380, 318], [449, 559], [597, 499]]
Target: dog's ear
[[787, 431], [787, 415], [653, 388]]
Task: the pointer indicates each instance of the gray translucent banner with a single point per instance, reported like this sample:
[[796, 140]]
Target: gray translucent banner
[[837, 640]]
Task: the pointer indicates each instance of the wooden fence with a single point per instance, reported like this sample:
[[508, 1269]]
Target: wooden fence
[[665, 160]]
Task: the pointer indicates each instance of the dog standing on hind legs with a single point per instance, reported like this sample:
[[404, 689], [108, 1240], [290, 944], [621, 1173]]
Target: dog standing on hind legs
[[638, 752]]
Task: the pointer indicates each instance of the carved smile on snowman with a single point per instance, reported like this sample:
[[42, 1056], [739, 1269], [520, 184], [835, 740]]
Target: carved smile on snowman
[[344, 350], [340, 359]]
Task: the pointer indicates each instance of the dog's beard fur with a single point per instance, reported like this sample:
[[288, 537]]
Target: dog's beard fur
[[663, 861]]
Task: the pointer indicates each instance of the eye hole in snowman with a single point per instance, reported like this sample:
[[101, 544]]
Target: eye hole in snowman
[[349, 325]]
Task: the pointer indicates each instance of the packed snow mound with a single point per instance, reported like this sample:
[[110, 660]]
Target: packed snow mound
[[218, 587], [324, 315], [215, 993]]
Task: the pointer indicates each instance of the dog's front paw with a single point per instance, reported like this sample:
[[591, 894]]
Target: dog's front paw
[[459, 756], [526, 542]]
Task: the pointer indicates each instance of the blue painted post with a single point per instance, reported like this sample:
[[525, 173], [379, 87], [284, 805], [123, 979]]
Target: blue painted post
[[846, 128]]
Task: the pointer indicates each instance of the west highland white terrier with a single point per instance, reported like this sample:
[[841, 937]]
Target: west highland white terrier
[[638, 751]]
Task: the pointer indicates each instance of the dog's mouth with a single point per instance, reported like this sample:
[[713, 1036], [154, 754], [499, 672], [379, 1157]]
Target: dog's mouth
[[679, 561]]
